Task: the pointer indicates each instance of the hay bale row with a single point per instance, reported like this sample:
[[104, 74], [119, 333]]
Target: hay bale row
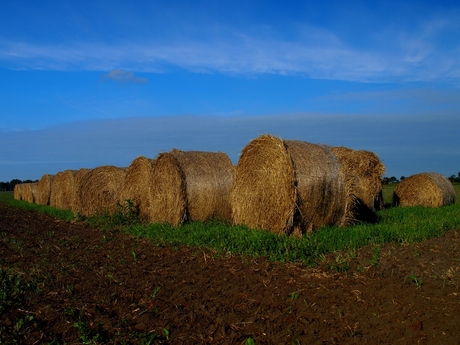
[[284, 186], [192, 185], [288, 186], [425, 189]]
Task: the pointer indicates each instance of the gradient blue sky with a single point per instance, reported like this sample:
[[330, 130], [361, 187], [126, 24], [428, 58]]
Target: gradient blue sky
[[89, 83]]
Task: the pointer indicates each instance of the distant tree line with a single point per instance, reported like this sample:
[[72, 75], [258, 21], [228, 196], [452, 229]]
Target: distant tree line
[[9, 186], [454, 178]]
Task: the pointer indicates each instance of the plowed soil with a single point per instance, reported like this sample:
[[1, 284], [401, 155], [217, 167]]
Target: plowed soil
[[107, 287]]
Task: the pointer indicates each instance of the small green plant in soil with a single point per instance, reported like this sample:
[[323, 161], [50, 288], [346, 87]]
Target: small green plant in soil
[[126, 214], [375, 259], [414, 279], [249, 341], [13, 291]]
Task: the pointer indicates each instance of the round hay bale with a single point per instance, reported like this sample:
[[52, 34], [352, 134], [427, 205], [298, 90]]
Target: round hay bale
[[44, 186], [363, 172], [64, 189], [77, 177], [287, 186], [99, 190], [28, 192], [191, 185], [17, 192], [425, 189], [136, 186]]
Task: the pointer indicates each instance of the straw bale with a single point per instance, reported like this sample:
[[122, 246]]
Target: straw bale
[[44, 186], [99, 190], [136, 186], [76, 204], [63, 193], [17, 193], [28, 191], [363, 175], [425, 189], [191, 186], [287, 186]]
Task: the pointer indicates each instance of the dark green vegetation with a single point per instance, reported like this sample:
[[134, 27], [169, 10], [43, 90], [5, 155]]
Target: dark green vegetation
[[54, 212], [399, 225], [13, 291]]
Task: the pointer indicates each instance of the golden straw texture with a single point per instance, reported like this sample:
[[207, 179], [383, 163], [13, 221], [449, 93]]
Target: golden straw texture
[[287, 186], [425, 189], [191, 185], [44, 186], [136, 186], [99, 190]]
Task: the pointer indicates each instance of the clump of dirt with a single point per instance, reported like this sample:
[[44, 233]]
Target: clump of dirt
[[94, 286]]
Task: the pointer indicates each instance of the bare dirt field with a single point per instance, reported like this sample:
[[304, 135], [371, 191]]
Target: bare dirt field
[[107, 287]]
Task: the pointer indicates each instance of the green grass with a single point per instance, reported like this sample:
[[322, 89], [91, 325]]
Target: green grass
[[388, 193], [52, 211], [399, 225], [457, 191]]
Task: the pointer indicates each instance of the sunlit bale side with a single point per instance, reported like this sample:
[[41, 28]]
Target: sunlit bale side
[[137, 185], [44, 186], [288, 186], [17, 192], [425, 189], [28, 191], [191, 186], [99, 190]]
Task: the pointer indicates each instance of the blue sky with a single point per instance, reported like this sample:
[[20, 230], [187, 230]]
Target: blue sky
[[89, 83]]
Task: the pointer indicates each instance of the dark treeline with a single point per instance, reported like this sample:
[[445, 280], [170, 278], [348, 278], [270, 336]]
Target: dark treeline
[[9, 186]]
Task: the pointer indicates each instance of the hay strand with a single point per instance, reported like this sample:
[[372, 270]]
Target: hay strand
[[99, 190], [191, 185], [428, 189], [287, 186]]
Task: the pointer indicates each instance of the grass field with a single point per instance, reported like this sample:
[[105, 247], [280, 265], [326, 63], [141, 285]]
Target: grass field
[[400, 225]]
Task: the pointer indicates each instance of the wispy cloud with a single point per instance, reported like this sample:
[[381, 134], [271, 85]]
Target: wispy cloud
[[123, 77], [430, 54]]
